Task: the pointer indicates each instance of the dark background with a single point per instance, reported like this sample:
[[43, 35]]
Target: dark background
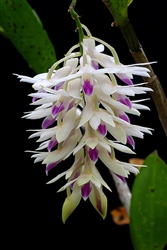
[[32, 208]]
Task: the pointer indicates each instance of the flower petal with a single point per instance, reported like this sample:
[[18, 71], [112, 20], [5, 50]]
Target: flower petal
[[124, 117], [124, 78], [83, 179], [131, 141], [96, 175], [111, 164], [105, 84], [73, 62], [49, 120], [67, 125], [107, 99], [57, 177], [118, 132], [50, 166], [94, 122], [93, 154], [59, 154], [87, 88], [74, 87], [91, 141], [121, 177], [85, 190], [99, 201], [102, 129], [53, 142], [57, 109], [71, 202], [105, 117], [86, 115], [120, 147]]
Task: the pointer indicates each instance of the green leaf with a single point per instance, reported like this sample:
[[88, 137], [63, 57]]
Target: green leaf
[[119, 9], [23, 27], [2, 32], [148, 211]]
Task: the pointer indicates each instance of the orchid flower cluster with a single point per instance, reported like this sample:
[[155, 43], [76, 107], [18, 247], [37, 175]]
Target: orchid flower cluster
[[83, 104]]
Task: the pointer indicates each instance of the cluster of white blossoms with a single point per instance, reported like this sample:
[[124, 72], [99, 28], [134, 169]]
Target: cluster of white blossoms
[[81, 103]]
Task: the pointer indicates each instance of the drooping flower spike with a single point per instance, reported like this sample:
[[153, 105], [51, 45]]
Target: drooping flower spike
[[80, 104]]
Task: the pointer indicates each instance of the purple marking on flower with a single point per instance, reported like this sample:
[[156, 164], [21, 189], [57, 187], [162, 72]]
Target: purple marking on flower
[[87, 87], [47, 122], [127, 81], [122, 101], [71, 105], [98, 205], [93, 154], [131, 141], [50, 166], [57, 109], [85, 190], [53, 142], [126, 102], [61, 108], [75, 176], [124, 117], [58, 85], [102, 129], [95, 65], [121, 177], [34, 99]]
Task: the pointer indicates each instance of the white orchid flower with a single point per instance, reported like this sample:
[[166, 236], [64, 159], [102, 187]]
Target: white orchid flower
[[85, 113]]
